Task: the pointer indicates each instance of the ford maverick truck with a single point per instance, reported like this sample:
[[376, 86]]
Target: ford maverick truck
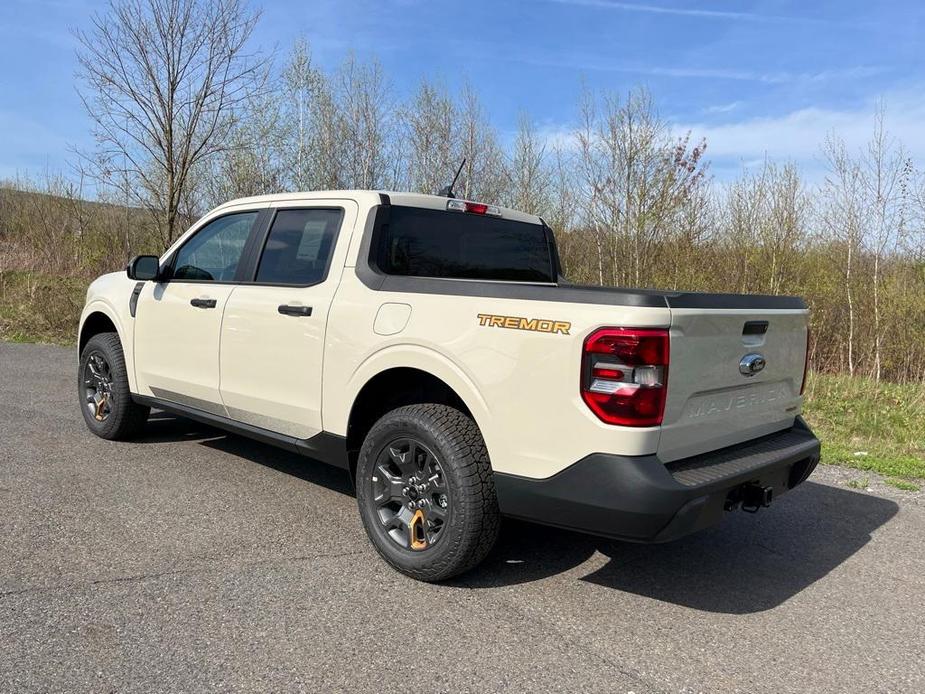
[[431, 347]]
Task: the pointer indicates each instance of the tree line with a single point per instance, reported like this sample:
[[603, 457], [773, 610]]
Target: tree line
[[187, 114]]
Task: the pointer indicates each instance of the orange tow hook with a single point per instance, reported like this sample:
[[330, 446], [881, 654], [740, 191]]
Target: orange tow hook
[[99, 408], [416, 530]]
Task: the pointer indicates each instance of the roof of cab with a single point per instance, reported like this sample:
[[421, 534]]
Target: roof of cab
[[370, 198]]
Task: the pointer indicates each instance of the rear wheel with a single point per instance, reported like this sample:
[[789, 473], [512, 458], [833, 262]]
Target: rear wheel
[[102, 383], [426, 492]]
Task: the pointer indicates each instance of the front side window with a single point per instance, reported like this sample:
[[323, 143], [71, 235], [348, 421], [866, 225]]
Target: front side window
[[299, 247], [213, 253]]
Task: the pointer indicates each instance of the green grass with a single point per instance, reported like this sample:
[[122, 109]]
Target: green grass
[[862, 425], [860, 483], [902, 484], [40, 308]]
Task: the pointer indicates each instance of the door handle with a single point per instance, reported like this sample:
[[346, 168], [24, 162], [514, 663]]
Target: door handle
[[202, 303], [288, 310]]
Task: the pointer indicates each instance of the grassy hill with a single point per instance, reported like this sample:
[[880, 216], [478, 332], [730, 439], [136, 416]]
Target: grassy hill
[[52, 244], [870, 427]]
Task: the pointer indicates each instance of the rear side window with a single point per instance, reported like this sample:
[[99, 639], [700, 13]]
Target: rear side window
[[419, 242], [299, 247]]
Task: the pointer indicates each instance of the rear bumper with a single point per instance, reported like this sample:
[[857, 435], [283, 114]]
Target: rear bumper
[[644, 500]]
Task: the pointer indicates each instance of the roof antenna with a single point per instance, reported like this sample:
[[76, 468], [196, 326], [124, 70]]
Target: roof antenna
[[447, 191]]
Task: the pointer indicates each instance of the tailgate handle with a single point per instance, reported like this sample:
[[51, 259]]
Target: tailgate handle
[[755, 327]]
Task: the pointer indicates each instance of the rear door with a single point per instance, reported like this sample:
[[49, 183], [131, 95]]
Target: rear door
[[178, 322], [734, 375], [273, 333]]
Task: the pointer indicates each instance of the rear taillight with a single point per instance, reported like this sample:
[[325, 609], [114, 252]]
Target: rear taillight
[[624, 375], [805, 363]]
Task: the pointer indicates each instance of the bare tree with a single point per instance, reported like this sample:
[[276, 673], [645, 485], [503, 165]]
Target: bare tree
[[253, 163], [431, 124], [843, 218], [600, 217], [161, 79], [324, 165], [528, 175], [364, 99], [785, 225], [765, 214], [635, 178], [299, 83], [320, 124], [869, 202], [887, 173], [913, 244], [483, 176]]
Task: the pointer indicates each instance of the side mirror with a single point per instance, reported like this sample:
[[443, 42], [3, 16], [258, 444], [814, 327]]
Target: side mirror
[[143, 268]]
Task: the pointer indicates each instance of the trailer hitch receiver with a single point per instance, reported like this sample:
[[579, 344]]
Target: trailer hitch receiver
[[754, 496]]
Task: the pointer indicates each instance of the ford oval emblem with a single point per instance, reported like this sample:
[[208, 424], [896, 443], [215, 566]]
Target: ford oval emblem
[[751, 364]]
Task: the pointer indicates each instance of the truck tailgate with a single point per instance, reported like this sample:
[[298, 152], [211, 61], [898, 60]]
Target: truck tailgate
[[711, 403]]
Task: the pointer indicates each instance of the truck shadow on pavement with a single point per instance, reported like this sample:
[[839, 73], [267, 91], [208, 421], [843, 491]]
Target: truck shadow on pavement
[[747, 564], [163, 428]]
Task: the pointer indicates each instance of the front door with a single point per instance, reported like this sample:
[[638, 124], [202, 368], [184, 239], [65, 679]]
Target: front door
[[178, 322], [273, 331]]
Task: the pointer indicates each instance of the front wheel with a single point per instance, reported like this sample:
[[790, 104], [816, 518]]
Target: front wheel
[[102, 384], [426, 493]]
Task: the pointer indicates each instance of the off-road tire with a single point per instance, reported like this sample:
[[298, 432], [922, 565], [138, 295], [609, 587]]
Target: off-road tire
[[473, 520], [125, 418]]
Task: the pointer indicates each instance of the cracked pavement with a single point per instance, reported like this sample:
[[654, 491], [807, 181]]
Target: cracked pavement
[[196, 560]]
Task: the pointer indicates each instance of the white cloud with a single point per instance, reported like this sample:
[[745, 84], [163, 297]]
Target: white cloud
[[684, 12], [580, 62], [723, 108], [799, 135], [796, 136], [558, 137]]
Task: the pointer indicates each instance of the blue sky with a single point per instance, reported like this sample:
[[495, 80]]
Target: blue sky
[[755, 78]]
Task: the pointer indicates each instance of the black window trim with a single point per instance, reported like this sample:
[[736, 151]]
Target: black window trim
[[246, 272]]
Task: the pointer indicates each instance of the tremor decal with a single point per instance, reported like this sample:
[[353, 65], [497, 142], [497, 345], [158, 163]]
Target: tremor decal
[[538, 325]]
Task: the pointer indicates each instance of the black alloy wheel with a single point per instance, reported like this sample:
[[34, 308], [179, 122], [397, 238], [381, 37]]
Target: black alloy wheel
[[426, 492], [105, 398], [97, 382], [411, 494]]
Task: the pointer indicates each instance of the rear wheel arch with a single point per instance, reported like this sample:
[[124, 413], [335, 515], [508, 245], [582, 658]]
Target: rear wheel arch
[[390, 389]]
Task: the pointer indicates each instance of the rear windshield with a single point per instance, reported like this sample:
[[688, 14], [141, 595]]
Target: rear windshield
[[419, 242]]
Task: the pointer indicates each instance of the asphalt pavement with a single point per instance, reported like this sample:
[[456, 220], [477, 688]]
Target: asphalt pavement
[[193, 560]]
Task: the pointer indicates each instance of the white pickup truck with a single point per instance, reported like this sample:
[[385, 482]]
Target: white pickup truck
[[431, 347]]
